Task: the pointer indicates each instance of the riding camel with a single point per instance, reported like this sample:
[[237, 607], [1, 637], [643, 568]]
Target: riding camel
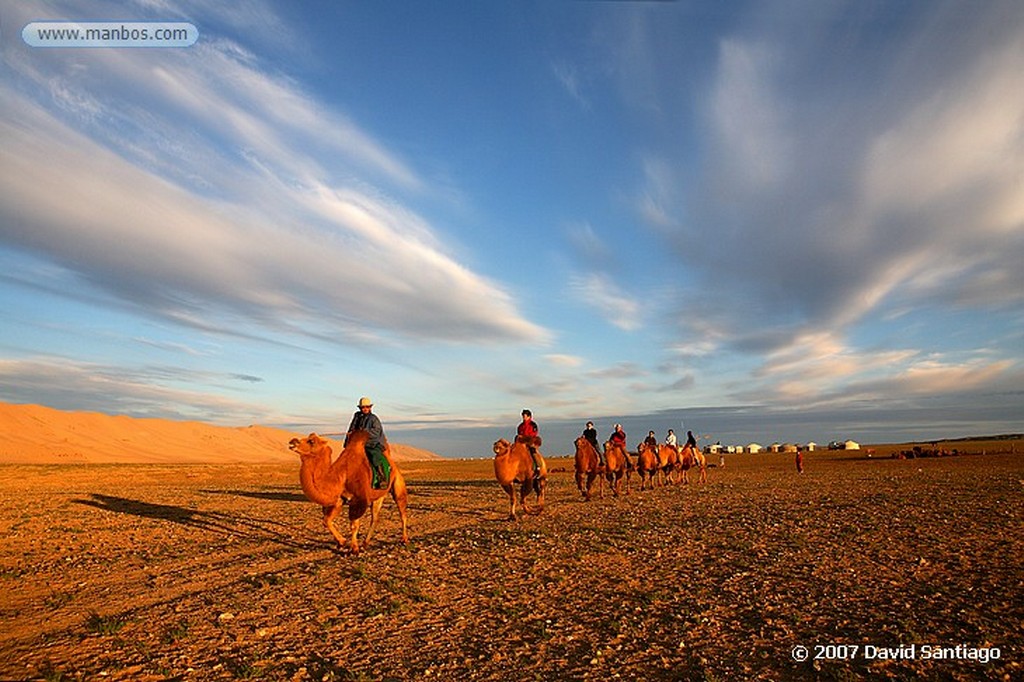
[[513, 466], [347, 480], [647, 465], [617, 466], [668, 463], [691, 457], [588, 466]]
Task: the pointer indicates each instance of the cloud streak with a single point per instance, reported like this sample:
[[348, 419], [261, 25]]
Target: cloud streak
[[821, 208], [256, 223]]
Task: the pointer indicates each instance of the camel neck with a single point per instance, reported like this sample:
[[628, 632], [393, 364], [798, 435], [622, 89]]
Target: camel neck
[[321, 482]]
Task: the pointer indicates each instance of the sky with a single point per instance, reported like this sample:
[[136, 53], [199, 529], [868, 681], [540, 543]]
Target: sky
[[783, 221]]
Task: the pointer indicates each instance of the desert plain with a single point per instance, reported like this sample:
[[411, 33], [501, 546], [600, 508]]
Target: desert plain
[[874, 567]]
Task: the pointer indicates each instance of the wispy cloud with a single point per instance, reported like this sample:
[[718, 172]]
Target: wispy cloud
[[93, 387], [248, 210], [562, 360], [570, 79], [823, 207], [600, 293]]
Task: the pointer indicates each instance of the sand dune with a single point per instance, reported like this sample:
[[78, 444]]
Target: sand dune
[[33, 434]]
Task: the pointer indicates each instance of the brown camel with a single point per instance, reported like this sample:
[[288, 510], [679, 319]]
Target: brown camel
[[588, 466], [668, 463], [646, 466], [692, 457], [513, 465], [347, 480], [617, 465]]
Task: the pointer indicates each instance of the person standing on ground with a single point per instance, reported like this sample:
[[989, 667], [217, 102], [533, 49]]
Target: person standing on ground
[[365, 420]]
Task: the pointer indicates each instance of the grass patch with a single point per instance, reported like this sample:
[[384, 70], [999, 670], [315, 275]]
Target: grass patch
[[104, 625], [176, 632]]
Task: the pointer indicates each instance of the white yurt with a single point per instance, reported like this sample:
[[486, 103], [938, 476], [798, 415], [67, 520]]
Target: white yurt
[[754, 448], [851, 445]]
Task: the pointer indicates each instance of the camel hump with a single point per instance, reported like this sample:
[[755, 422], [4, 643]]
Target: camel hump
[[534, 441]]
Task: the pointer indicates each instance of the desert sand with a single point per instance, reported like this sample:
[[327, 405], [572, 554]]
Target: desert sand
[[33, 434], [223, 571]]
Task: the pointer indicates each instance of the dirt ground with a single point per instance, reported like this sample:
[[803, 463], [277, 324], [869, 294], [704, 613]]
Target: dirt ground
[[205, 572]]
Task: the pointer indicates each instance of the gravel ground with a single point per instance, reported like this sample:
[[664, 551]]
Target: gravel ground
[[878, 568]]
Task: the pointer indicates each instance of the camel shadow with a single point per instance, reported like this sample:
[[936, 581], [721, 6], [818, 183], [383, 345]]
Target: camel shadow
[[256, 495], [209, 521], [482, 483]]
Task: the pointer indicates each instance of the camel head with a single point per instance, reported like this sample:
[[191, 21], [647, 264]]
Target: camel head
[[501, 447], [310, 446]]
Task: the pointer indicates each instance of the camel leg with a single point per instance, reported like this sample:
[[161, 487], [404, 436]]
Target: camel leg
[[401, 497], [524, 490], [356, 509], [331, 511], [374, 515], [510, 491]]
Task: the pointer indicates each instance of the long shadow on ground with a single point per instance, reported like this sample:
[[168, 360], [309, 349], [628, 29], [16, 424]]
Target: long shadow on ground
[[211, 521]]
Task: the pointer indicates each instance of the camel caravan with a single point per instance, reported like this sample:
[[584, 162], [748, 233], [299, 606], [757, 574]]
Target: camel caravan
[[660, 465], [364, 474]]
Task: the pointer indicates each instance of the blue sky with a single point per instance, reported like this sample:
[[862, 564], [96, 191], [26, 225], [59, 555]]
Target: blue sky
[[763, 221]]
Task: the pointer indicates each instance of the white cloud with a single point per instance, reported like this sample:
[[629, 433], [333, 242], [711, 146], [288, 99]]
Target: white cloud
[[66, 384], [828, 205], [603, 295], [569, 77], [562, 360], [283, 246], [750, 124]]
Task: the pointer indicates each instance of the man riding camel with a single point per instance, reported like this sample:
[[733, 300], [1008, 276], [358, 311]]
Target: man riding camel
[[366, 420], [590, 433], [529, 429]]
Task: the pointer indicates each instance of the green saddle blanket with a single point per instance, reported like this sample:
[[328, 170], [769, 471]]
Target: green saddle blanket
[[379, 466]]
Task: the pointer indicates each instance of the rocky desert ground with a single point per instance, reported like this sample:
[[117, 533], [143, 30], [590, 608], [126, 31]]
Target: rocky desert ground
[[860, 568]]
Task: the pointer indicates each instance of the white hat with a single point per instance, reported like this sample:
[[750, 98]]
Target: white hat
[[365, 402]]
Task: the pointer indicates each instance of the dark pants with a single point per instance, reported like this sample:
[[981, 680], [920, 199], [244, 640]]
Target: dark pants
[[379, 465]]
